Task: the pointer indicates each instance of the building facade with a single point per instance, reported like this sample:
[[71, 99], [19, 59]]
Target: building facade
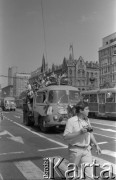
[[11, 72], [107, 61], [7, 91], [20, 83], [83, 75]]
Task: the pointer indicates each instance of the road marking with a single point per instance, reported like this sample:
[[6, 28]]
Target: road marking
[[51, 139], [99, 161], [49, 149], [29, 170], [14, 138], [102, 142], [8, 153], [17, 116], [110, 130], [40, 135], [105, 136], [59, 143], [108, 152], [1, 178], [17, 139], [8, 119], [3, 133], [103, 124], [102, 162]]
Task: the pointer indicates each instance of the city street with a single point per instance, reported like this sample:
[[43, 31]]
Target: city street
[[23, 148]]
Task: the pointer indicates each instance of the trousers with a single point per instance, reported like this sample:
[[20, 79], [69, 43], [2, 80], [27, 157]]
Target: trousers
[[82, 157]]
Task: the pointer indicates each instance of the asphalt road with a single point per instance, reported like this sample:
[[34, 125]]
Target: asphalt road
[[23, 149]]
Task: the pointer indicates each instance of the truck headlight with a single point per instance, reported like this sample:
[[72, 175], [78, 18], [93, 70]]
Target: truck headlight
[[55, 117]]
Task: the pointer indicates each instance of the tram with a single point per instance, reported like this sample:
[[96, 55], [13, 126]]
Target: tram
[[102, 102]]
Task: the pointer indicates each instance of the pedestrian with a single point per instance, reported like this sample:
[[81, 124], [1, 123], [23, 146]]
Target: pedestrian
[[1, 117], [78, 133]]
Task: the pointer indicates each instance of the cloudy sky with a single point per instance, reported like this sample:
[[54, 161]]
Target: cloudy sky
[[25, 34]]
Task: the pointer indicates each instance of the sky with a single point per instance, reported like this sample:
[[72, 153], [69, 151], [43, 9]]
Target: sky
[[26, 33]]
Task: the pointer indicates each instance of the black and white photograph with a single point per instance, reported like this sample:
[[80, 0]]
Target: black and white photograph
[[57, 89]]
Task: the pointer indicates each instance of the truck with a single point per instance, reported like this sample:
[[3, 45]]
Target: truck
[[8, 104], [49, 106]]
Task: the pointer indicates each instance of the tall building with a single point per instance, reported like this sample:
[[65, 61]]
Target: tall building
[[11, 72], [20, 83], [107, 61]]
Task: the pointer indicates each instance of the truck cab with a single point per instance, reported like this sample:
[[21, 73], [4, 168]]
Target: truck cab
[[50, 104]]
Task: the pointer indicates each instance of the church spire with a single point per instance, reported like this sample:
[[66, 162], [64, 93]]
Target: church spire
[[71, 55]]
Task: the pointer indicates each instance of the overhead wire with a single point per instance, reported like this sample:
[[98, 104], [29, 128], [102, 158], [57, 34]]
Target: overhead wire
[[44, 33]]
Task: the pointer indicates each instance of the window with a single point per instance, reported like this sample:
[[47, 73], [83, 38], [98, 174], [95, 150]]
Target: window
[[83, 73], [70, 71], [102, 98], [85, 97], [59, 96], [110, 97], [73, 96], [52, 96], [41, 96], [79, 73], [93, 97]]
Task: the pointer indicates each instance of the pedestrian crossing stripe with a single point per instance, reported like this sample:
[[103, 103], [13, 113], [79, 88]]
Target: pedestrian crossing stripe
[[1, 178], [101, 162], [29, 170]]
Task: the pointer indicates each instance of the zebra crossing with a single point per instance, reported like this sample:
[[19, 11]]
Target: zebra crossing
[[33, 170]]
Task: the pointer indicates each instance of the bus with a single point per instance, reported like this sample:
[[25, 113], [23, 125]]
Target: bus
[[102, 102]]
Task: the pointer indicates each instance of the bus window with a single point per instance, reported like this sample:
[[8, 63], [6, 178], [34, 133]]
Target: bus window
[[110, 97], [52, 98], [74, 96], [93, 98], [85, 97], [102, 98], [40, 97]]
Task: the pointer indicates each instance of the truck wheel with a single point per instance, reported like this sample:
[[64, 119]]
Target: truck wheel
[[42, 126], [29, 121]]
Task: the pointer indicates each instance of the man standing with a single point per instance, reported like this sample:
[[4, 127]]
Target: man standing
[[78, 134]]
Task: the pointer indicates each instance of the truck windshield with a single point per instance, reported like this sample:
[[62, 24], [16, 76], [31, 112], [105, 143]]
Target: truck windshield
[[58, 96], [63, 96]]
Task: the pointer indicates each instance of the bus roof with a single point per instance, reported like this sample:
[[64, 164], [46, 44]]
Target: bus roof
[[90, 91], [99, 91], [58, 87]]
